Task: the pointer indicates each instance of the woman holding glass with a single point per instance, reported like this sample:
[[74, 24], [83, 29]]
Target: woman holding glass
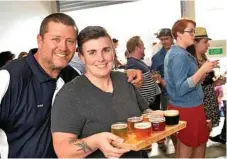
[[183, 83]]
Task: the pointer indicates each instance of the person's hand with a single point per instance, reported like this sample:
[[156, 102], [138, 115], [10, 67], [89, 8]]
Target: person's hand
[[135, 77], [104, 144], [157, 78], [209, 125], [219, 100], [208, 66]]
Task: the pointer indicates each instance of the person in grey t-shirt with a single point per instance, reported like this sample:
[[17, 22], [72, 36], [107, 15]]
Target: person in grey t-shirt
[[86, 107]]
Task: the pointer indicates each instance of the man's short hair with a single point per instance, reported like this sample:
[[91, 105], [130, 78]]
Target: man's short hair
[[132, 43], [56, 18], [91, 32]]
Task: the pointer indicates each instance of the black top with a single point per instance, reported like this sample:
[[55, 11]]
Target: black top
[[208, 79]]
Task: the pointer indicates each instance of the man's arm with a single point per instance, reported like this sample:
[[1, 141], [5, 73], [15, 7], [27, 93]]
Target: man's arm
[[135, 77], [68, 145]]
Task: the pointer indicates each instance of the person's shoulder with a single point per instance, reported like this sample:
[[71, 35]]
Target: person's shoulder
[[131, 62], [17, 68], [70, 89], [176, 51], [159, 53], [118, 76], [76, 84], [68, 73]]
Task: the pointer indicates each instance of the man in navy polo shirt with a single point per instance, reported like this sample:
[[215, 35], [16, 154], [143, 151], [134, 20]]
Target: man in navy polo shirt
[[28, 87], [166, 39]]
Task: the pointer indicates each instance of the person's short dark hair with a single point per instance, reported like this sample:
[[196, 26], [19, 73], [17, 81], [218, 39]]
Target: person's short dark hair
[[132, 43], [91, 32], [164, 32], [22, 54], [115, 40], [56, 18], [6, 56]]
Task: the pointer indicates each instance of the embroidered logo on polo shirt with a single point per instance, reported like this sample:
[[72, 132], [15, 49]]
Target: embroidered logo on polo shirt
[[40, 105]]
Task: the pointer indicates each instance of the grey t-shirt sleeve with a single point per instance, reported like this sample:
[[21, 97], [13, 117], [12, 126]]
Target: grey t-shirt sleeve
[[65, 116], [143, 104]]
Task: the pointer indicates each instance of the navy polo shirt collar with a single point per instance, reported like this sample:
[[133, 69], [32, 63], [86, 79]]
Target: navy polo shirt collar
[[41, 75]]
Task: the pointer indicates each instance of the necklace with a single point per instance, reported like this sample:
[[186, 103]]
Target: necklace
[[201, 60]]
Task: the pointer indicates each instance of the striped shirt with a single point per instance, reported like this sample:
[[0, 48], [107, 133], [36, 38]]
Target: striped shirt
[[149, 87]]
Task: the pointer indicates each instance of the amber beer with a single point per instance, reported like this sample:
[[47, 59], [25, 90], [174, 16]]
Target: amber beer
[[146, 117], [143, 130], [131, 121], [120, 129], [150, 115]]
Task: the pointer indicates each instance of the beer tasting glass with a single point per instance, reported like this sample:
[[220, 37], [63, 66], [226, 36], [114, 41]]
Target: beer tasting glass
[[143, 130], [120, 129], [131, 122]]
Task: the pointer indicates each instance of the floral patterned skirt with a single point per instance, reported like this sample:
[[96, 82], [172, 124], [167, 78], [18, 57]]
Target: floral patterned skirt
[[211, 104]]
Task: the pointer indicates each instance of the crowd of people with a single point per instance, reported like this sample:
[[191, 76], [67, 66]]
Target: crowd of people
[[60, 99]]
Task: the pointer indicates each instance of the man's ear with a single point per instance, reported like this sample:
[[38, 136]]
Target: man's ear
[[39, 40]]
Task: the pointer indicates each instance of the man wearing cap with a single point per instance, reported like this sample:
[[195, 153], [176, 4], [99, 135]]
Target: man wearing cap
[[166, 39], [157, 64]]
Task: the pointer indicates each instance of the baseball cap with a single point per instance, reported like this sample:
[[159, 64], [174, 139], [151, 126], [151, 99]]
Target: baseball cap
[[163, 32]]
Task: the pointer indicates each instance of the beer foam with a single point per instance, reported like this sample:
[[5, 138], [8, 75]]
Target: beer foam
[[170, 113], [143, 125], [157, 120], [119, 126], [135, 119]]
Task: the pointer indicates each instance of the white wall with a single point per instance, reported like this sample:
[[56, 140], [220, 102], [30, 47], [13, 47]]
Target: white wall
[[122, 21], [212, 15], [20, 22]]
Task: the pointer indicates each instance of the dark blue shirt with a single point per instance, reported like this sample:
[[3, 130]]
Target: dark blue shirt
[[133, 63], [158, 61], [158, 65], [25, 109]]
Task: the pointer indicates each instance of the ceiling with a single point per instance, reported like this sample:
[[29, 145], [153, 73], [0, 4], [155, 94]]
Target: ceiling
[[65, 6]]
